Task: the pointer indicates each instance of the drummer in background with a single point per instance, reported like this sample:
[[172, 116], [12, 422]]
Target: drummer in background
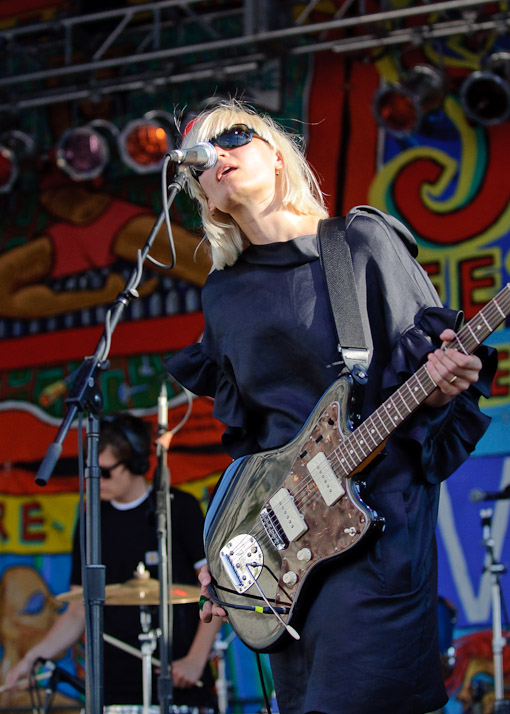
[[128, 537]]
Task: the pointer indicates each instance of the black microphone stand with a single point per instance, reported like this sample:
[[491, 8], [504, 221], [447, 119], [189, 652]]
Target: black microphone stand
[[164, 530], [496, 569], [85, 397]]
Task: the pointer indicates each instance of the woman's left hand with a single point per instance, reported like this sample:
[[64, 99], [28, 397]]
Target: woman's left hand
[[452, 371]]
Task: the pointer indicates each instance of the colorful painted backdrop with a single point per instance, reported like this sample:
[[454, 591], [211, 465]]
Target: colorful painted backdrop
[[67, 249]]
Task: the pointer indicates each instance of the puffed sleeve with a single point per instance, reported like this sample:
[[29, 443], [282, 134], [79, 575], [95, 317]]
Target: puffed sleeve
[[192, 368], [445, 436], [200, 374]]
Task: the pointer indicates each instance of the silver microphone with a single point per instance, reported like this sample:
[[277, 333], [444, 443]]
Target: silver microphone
[[203, 155]]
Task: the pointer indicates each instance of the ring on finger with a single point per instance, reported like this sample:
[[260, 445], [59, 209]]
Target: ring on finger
[[202, 601]]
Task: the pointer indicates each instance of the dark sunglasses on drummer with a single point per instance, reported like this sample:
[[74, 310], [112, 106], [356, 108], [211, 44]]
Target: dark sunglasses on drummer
[[106, 470], [231, 138]]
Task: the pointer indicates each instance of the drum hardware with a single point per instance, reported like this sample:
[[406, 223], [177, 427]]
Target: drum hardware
[[137, 709], [148, 639], [136, 653], [128, 648], [496, 570], [136, 592], [128, 709], [219, 649], [141, 591]]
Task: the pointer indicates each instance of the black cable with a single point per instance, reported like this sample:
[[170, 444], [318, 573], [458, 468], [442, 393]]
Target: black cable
[[32, 689], [263, 610], [263, 683], [254, 597]]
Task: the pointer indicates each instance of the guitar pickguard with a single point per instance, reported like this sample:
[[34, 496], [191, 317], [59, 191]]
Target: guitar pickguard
[[298, 513], [334, 515]]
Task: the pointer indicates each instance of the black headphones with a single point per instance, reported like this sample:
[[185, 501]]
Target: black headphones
[[140, 446]]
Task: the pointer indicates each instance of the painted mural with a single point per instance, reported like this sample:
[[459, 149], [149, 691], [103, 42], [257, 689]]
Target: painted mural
[[67, 249]]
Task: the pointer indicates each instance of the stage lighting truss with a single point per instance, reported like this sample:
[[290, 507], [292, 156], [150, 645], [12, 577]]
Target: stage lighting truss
[[15, 146], [143, 143], [485, 94], [84, 152], [401, 107]]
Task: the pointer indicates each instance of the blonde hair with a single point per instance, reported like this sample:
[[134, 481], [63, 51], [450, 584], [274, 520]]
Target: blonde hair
[[299, 185]]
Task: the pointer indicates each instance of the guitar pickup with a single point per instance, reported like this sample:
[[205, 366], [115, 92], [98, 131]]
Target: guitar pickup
[[325, 479], [288, 515]]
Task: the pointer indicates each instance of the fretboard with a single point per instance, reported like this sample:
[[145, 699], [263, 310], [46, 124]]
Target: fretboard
[[364, 440]]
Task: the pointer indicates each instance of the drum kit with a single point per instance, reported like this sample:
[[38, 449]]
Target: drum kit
[[142, 591]]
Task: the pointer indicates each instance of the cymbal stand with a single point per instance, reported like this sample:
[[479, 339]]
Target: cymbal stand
[[496, 569], [148, 639], [219, 648]]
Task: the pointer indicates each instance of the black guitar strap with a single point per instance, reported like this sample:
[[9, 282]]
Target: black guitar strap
[[337, 265]]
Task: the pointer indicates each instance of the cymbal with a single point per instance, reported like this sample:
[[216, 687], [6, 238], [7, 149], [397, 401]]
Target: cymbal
[[137, 592]]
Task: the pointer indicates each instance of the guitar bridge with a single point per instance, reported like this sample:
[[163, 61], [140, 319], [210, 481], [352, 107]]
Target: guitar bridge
[[274, 534]]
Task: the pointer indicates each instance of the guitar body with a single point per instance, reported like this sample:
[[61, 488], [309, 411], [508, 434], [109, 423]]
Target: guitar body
[[279, 516], [234, 524]]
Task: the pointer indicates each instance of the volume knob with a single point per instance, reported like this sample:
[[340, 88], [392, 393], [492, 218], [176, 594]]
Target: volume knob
[[290, 578], [305, 555]]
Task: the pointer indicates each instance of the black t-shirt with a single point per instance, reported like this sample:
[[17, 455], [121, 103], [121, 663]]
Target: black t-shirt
[[128, 537]]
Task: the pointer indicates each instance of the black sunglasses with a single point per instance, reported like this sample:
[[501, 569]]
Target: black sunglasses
[[236, 135], [106, 470]]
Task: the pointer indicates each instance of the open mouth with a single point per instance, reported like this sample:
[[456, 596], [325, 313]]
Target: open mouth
[[224, 171]]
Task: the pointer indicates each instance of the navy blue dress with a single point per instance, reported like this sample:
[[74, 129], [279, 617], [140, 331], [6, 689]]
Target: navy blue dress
[[269, 351]]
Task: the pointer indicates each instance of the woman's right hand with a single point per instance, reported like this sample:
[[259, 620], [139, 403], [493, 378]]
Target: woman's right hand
[[208, 609]]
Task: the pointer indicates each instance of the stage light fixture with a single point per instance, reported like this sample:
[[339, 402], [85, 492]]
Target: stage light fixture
[[83, 152], [144, 142], [485, 94], [15, 146], [401, 107], [8, 169]]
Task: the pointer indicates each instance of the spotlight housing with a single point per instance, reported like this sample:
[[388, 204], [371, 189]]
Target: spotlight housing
[[15, 146], [143, 143], [8, 169], [400, 107], [485, 94], [82, 153]]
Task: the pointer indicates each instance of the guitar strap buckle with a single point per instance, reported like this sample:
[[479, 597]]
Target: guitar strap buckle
[[357, 362]]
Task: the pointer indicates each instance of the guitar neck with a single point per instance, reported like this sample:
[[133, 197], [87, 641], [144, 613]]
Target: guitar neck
[[366, 439]]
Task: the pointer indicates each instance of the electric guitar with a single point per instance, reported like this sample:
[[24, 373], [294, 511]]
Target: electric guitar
[[279, 515]]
